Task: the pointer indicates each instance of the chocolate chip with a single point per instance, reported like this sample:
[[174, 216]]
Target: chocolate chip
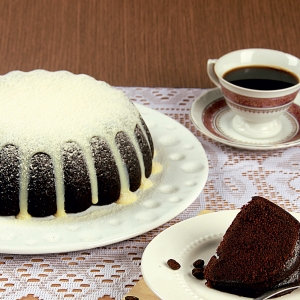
[[199, 263], [198, 273], [131, 298], [173, 264]]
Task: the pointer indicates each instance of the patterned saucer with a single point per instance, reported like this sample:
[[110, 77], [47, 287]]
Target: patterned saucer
[[213, 117]]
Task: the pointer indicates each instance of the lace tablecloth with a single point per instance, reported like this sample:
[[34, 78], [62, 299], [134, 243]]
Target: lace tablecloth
[[234, 177]]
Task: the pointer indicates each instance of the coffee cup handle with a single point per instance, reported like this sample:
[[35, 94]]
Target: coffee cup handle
[[211, 72]]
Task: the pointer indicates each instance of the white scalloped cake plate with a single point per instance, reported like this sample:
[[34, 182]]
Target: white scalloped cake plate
[[187, 241], [184, 174], [213, 117]]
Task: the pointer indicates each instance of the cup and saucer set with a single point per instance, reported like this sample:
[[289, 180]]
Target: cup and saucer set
[[256, 105]]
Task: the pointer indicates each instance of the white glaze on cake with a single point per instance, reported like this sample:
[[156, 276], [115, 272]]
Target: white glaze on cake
[[41, 110]]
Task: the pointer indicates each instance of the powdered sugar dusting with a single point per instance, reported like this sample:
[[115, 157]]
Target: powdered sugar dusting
[[41, 103], [41, 110]]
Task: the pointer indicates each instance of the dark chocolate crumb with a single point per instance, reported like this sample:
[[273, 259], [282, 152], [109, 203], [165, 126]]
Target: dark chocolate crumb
[[199, 263], [198, 273], [173, 264], [131, 298]]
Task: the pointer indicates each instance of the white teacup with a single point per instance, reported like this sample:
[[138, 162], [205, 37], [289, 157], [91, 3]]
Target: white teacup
[[257, 109]]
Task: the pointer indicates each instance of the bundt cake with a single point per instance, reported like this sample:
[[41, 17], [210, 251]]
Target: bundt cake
[[259, 251], [68, 142]]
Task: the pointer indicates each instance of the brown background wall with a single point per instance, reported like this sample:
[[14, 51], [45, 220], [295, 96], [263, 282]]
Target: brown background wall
[[141, 42]]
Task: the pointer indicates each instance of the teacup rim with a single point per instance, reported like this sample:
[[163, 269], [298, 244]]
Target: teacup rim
[[258, 93]]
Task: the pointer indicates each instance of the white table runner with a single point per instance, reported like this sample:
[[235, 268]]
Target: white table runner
[[234, 177]]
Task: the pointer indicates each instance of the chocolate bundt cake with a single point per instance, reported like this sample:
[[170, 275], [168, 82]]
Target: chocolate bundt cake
[[259, 251], [68, 142]]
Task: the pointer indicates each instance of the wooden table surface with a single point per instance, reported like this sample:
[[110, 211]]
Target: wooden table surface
[[141, 42]]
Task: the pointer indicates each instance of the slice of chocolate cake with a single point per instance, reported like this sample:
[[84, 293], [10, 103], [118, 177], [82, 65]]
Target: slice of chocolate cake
[[259, 251]]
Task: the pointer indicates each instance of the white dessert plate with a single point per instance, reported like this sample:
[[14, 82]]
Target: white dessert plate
[[213, 117], [184, 174], [187, 241]]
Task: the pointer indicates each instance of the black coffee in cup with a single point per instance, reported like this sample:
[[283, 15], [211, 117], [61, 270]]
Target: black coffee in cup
[[261, 78]]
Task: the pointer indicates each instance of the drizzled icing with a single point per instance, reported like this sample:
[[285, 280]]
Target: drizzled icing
[[40, 111]]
